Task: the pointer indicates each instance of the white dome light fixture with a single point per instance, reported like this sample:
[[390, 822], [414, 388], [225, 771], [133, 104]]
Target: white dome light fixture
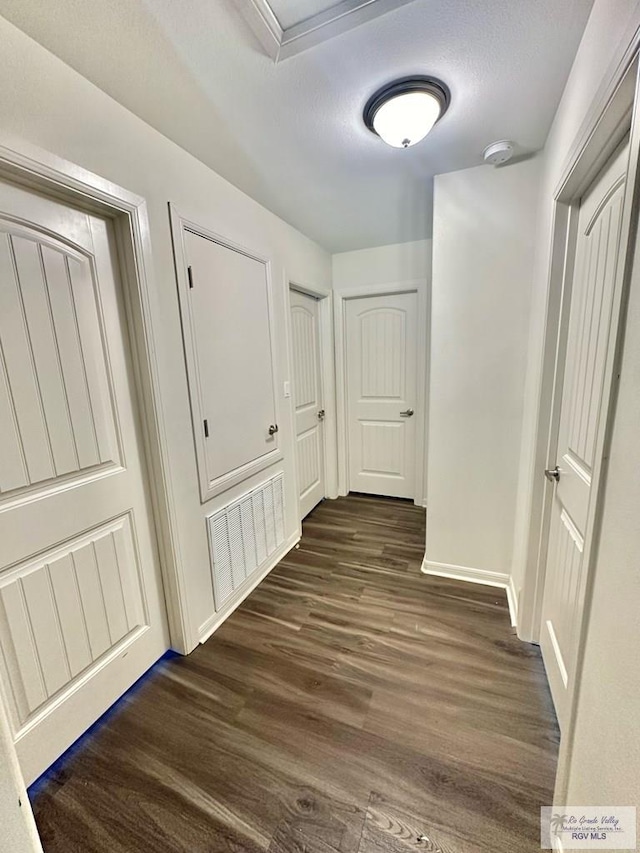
[[403, 112]]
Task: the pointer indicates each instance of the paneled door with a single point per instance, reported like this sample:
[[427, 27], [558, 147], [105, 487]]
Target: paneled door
[[380, 341], [590, 319], [81, 609], [307, 399]]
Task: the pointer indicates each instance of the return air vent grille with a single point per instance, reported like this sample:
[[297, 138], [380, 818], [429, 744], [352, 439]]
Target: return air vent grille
[[243, 535]]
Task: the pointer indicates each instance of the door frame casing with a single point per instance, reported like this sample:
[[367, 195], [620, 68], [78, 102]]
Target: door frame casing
[[180, 226], [614, 115], [40, 171], [327, 379], [341, 297], [612, 124]]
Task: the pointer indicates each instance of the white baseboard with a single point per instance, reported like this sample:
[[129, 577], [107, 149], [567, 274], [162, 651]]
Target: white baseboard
[[465, 573], [210, 625], [471, 575]]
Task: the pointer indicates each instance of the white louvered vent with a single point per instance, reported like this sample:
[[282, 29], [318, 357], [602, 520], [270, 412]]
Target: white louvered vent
[[243, 535]]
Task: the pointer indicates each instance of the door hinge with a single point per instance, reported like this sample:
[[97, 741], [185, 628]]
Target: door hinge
[[190, 277], [206, 428]]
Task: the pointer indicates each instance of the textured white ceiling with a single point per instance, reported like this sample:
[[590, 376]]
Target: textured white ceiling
[[291, 134]]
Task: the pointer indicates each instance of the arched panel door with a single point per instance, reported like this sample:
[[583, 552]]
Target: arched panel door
[[592, 299], [81, 605], [381, 334], [307, 397]]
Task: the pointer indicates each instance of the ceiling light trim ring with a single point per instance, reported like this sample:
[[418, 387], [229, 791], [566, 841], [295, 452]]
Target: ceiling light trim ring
[[404, 86]]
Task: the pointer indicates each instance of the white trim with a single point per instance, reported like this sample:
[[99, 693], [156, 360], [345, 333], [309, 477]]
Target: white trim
[[557, 323], [317, 292], [562, 669], [327, 379], [340, 297], [282, 42], [599, 117], [210, 625], [210, 488], [611, 378], [50, 174], [606, 125], [512, 598], [264, 24], [24, 830], [327, 356], [341, 390], [464, 573], [404, 286]]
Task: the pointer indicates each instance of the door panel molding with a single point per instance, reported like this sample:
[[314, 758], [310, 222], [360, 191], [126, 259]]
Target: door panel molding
[[69, 585], [46, 173], [340, 299], [71, 387]]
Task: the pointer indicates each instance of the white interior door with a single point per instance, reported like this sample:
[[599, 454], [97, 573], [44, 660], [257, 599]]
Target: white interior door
[[308, 400], [380, 342], [81, 611], [581, 409], [227, 321]]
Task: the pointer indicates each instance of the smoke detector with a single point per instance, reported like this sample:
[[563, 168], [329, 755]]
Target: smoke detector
[[498, 152]]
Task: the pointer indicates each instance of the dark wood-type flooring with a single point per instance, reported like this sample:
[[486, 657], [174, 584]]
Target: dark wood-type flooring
[[351, 704]]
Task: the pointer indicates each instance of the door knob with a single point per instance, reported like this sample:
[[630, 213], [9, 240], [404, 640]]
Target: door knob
[[273, 429], [552, 474], [321, 415], [407, 413]]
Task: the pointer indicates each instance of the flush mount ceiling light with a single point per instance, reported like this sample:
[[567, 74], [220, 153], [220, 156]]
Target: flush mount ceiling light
[[403, 112]]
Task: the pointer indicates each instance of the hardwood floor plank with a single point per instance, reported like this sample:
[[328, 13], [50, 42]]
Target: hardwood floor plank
[[350, 705]]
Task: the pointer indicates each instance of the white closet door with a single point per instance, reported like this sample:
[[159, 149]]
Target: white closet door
[[307, 397], [81, 609], [381, 341], [589, 328], [231, 365]]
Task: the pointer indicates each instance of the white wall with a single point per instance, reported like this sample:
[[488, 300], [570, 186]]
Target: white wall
[[483, 245], [382, 265], [604, 764], [608, 25], [49, 105]]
